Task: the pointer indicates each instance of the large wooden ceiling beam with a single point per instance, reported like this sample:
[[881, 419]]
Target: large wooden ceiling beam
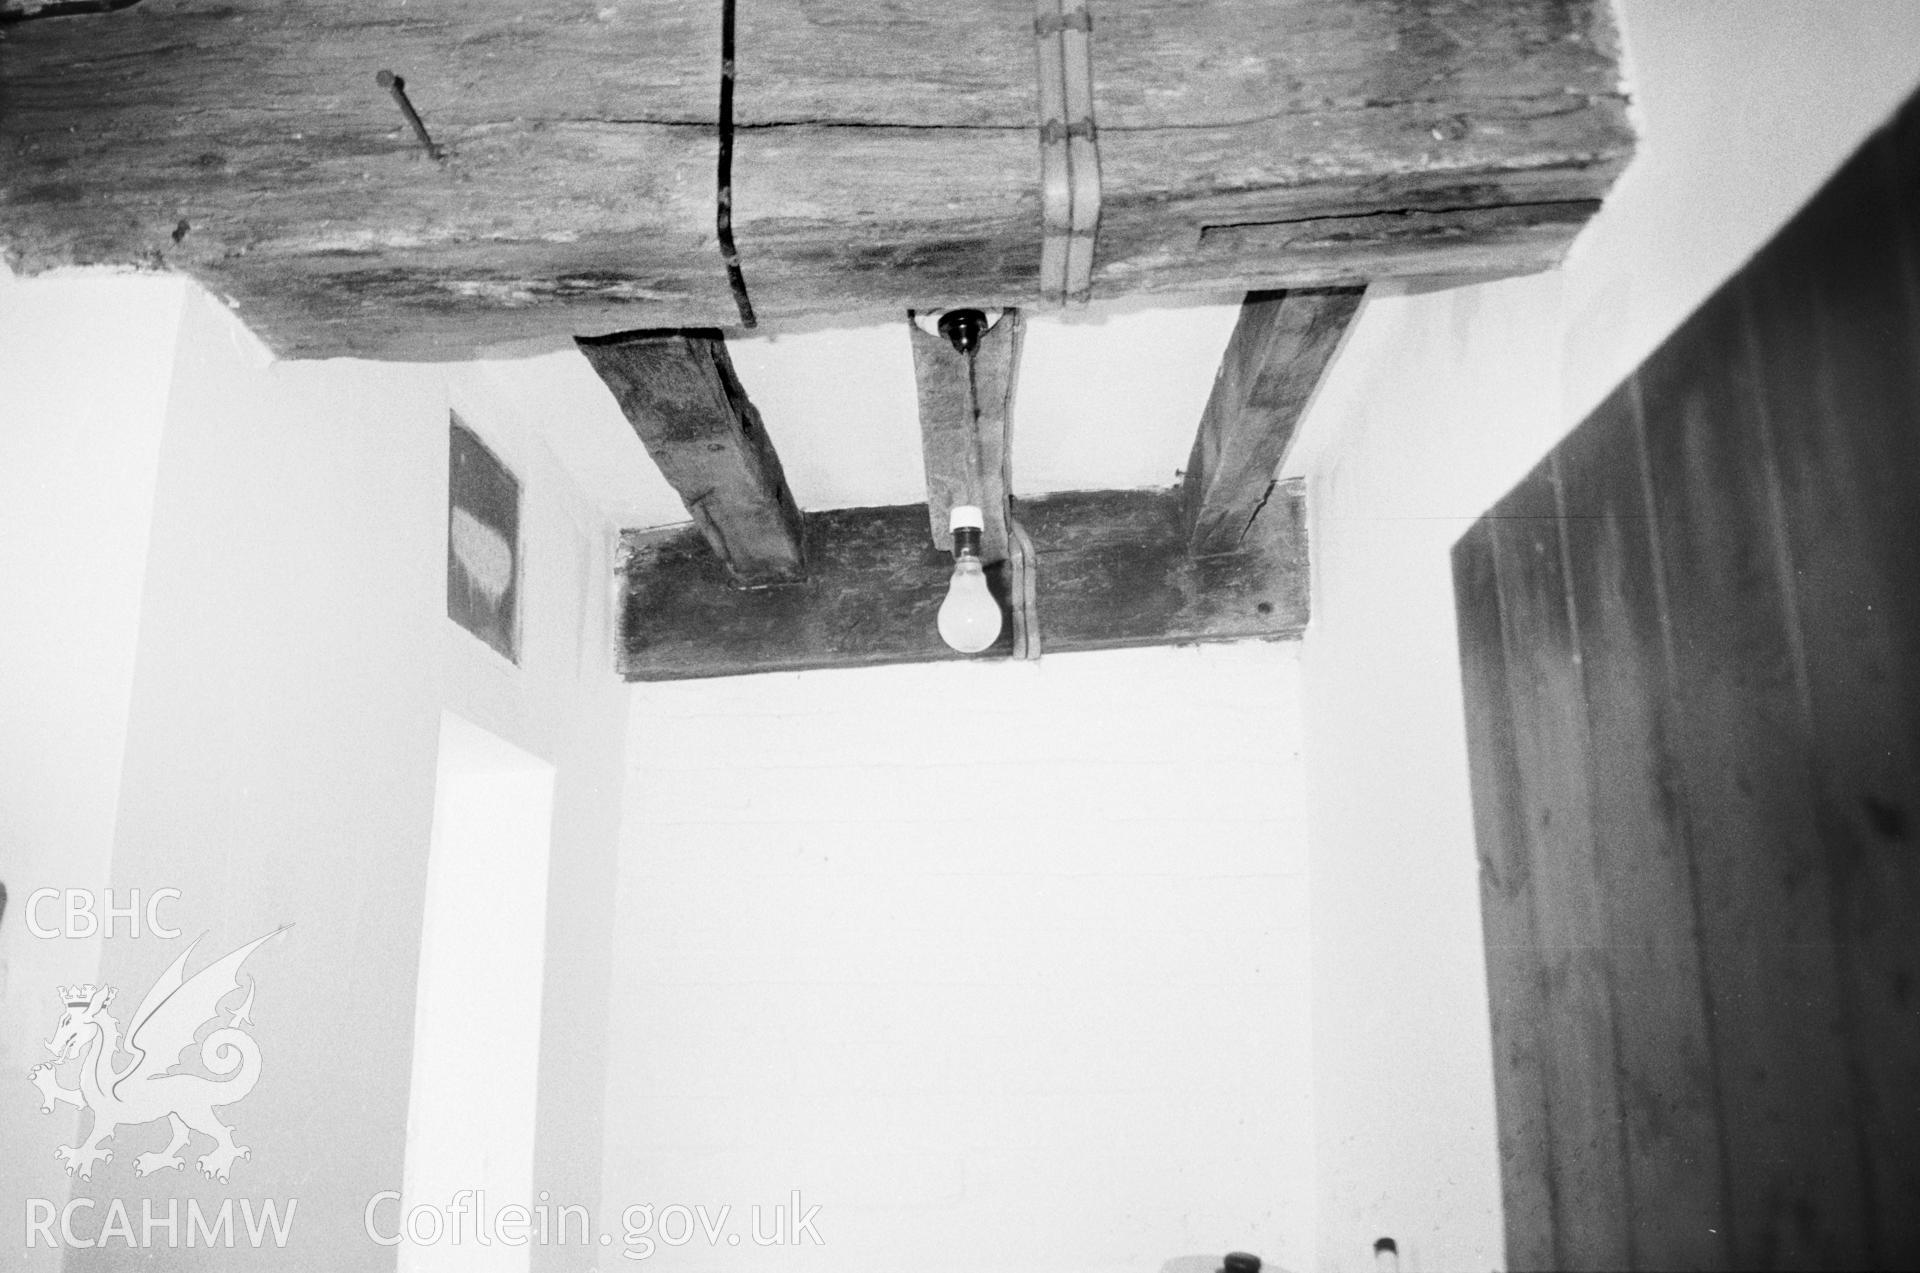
[[964, 418], [1278, 351], [1112, 570], [1243, 143], [679, 392]]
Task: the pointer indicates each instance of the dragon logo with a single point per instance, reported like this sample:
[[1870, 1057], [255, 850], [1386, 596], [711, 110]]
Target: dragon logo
[[148, 1087]]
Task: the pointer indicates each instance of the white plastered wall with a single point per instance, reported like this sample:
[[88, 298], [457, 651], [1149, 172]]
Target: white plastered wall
[[76, 501], [1002, 966], [233, 588], [1438, 403]]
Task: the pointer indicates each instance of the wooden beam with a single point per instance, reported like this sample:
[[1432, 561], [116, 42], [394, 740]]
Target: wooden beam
[[679, 392], [1112, 570], [876, 164], [967, 456], [1274, 359]]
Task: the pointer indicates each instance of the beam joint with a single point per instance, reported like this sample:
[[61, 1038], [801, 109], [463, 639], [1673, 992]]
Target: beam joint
[[1279, 350], [679, 391]]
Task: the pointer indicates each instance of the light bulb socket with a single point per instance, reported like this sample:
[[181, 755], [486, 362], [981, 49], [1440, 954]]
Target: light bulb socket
[[928, 320], [966, 541], [963, 329]]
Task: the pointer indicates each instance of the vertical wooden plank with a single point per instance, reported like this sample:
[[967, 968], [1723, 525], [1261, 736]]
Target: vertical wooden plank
[[1669, 1097], [1549, 712], [1836, 339], [1743, 597], [1897, 150], [965, 420], [1516, 990], [1793, 1164]]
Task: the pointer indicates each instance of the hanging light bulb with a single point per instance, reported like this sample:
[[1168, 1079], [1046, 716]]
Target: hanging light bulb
[[970, 618]]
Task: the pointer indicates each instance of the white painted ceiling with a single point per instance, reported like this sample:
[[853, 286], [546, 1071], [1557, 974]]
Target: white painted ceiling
[[1107, 399]]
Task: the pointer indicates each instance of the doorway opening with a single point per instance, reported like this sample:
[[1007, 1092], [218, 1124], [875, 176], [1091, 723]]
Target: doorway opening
[[476, 1050]]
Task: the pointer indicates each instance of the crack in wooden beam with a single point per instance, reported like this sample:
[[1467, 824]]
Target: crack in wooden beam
[[1274, 360], [1583, 208], [878, 162]]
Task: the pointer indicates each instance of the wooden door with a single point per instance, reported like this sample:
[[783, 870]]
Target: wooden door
[[1690, 643]]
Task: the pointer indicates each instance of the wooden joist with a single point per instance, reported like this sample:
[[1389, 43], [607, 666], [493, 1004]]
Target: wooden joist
[[679, 391], [1274, 359], [878, 162], [1112, 570], [964, 417]]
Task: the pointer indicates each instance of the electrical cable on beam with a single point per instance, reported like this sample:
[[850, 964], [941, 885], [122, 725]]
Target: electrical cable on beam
[[1069, 150], [723, 214]]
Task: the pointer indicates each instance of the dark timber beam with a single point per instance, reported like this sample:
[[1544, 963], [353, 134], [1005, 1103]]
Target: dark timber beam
[[1112, 570], [963, 426], [679, 391], [1274, 359], [876, 164]]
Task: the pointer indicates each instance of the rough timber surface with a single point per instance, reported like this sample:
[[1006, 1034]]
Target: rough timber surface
[[1279, 349], [1112, 571], [679, 391], [885, 158]]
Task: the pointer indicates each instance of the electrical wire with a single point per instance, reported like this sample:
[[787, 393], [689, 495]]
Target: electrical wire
[[723, 217]]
